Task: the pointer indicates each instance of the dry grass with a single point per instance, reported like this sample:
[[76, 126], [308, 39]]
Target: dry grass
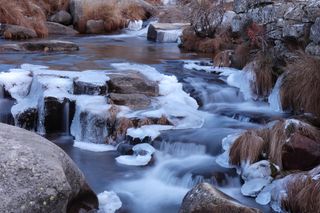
[[303, 193], [252, 145], [301, 86], [249, 147], [241, 56]]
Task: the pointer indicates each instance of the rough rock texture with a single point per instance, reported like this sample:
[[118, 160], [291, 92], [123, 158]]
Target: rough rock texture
[[59, 29], [132, 84], [61, 17], [27, 119], [206, 199], [95, 26], [134, 101], [301, 153], [9, 31], [315, 31], [37, 176], [41, 46], [85, 88]]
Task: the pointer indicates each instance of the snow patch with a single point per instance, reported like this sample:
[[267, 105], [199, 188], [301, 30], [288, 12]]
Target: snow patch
[[109, 202], [93, 147]]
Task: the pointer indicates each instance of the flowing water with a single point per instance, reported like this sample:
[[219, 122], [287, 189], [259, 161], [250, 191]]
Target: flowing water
[[183, 157]]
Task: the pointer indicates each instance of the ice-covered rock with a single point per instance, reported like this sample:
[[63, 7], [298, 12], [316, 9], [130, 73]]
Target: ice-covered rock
[[109, 202], [135, 25], [165, 32], [142, 155]]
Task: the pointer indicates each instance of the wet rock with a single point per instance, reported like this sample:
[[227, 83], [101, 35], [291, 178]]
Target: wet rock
[[27, 119], [315, 32], [86, 88], [300, 153], [95, 26], [205, 198], [37, 176], [313, 49], [132, 84], [125, 149], [61, 17], [134, 101], [41, 46], [165, 32], [59, 29], [9, 31]]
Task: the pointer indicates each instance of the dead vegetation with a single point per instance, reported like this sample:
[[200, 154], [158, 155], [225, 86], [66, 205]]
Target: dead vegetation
[[303, 192], [301, 85], [267, 143]]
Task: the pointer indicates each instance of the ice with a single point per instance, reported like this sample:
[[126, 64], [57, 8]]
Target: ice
[[141, 157], [93, 147], [89, 122], [292, 122], [16, 83], [169, 36], [93, 77], [152, 131], [260, 169], [242, 80], [229, 140], [274, 98], [253, 187], [109, 202], [223, 159], [135, 25]]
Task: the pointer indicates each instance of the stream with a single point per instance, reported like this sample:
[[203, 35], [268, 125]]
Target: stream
[[184, 157]]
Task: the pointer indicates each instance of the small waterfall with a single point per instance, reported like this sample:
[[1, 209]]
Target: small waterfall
[[274, 98], [66, 117], [179, 149]]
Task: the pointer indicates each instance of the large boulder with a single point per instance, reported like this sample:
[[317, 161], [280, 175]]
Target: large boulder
[[37, 176], [206, 199], [61, 17], [9, 31], [59, 29]]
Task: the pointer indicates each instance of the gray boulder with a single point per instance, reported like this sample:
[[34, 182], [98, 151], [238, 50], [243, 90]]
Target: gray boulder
[[37, 176], [294, 30], [9, 31], [95, 27], [61, 17], [206, 199], [315, 31], [59, 29], [313, 49]]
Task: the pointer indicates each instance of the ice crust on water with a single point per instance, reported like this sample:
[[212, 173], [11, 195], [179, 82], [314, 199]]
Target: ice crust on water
[[141, 157], [93, 147], [152, 131], [135, 25], [109, 202]]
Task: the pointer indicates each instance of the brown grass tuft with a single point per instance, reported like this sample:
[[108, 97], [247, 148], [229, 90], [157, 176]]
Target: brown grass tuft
[[301, 85], [241, 55], [303, 193], [134, 12], [249, 147]]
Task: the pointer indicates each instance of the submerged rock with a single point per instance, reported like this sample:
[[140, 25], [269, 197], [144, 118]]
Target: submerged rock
[[205, 198], [37, 176]]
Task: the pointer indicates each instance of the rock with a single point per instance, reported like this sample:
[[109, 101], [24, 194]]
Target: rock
[[294, 30], [76, 11], [27, 119], [204, 198], [227, 19], [241, 6], [301, 153], [165, 32], [37, 176], [17, 32], [61, 17], [95, 26], [86, 88], [238, 23], [134, 101], [313, 49], [125, 149], [315, 32], [132, 84], [41, 46], [59, 29]]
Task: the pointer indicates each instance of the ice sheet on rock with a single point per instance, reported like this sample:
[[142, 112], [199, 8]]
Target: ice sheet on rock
[[89, 121], [93, 77], [274, 98], [16, 83], [93, 147], [260, 169], [141, 157], [135, 25], [253, 187], [152, 131], [242, 80], [173, 102], [109, 202], [223, 159]]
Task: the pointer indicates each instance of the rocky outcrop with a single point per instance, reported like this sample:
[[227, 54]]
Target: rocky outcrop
[[205, 198], [61, 17], [166, 32], [9, 31], [41, 46], [59, 29], [37, 176]]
